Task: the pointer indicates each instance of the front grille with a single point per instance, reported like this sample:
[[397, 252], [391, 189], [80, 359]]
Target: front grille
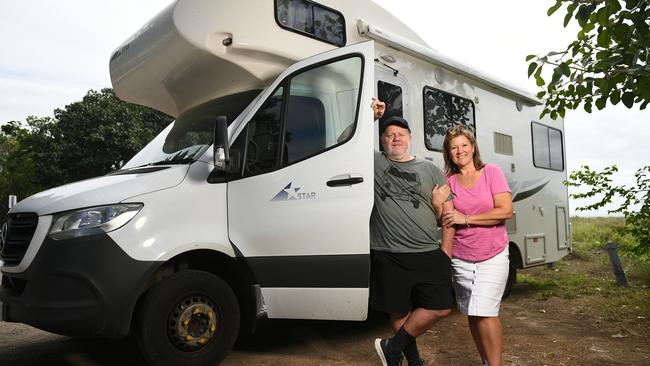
[[16, 236]]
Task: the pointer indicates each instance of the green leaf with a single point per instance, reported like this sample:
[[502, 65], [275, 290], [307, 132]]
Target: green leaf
[[583, 15], [541, 94], [557, 75], [603, 40], [628, 99], [544, 112], [553, 115], [601, 102], [530, 57], [570, 9], [554, 8], [639, 70], [531, 68], [603, 16], [612, 60], [587, 107], [539, 81], [614, 6], [615, 97], [564, 67], [631, 4]]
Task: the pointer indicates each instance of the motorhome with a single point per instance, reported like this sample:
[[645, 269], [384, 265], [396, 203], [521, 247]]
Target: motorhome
[[256, 199]]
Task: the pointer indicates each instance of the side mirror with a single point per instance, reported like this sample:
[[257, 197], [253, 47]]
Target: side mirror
[[220, 148]]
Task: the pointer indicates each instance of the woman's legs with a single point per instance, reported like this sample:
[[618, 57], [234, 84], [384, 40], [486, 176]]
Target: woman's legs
[[473, 328], [488, 337]]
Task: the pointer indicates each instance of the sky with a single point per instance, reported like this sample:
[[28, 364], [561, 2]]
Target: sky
[[53, 52]]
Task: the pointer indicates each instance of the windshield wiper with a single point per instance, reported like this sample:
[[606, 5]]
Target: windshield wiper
[[173, 162]]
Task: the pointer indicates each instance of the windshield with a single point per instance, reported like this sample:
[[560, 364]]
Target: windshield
[[187, 138]]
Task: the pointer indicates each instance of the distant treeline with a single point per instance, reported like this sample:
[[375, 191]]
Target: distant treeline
[[84, 139]]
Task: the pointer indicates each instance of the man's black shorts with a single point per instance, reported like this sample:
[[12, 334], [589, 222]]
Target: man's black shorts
[[401, 282]]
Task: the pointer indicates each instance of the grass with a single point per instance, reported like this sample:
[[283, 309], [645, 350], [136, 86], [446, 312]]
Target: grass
[[586, 275]]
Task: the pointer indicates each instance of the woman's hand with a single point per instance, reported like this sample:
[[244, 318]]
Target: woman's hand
[[452, 218]]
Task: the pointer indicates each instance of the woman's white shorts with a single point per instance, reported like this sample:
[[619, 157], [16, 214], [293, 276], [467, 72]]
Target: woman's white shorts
[[479, 285]]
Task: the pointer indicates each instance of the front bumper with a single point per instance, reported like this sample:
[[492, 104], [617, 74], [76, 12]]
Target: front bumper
[[79, 287]]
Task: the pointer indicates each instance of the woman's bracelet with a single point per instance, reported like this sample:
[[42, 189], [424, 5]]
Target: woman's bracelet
[[466, 222]]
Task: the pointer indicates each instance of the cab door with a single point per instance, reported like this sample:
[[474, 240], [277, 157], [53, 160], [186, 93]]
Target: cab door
[[299, 215]]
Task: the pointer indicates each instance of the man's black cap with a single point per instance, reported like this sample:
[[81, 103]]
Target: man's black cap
[[394, 120]]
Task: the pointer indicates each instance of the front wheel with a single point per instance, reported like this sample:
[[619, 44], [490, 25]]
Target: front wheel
[[190, 318]]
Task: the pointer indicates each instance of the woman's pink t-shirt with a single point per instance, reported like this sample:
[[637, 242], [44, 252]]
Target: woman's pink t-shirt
[[478, 243]]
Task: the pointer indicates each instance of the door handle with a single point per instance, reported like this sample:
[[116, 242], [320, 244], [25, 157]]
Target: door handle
[[344, 182]]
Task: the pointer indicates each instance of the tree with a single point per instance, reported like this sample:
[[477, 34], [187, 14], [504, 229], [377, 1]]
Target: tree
[[635, 205], [97, 135], [84, 139], [609, 60], [17, 173]]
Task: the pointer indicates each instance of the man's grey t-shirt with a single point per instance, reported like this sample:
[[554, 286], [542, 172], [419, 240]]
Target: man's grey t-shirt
[[403, 220]]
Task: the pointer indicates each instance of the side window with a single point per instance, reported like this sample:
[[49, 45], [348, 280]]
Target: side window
[[442, 111], [547, 147], [391, 95], [311, 19], [317, 113], [263, 136]]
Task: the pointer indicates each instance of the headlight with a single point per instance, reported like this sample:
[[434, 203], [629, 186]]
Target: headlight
[[90, 221]]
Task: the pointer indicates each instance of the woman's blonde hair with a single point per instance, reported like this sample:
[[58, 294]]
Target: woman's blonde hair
[[453, 132]]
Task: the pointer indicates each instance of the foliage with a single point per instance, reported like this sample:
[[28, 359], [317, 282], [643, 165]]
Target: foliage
[[585, 276], [635, 205], [595, 232], [16, 164], [609, 60], [84, 139]]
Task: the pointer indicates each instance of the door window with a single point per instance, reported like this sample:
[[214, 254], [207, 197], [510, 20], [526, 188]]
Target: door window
[[311, 112]]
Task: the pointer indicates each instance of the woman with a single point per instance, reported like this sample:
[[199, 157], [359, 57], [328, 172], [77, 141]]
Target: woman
[[482, 202]]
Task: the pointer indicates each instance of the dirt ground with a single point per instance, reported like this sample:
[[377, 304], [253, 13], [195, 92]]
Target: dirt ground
[[537, 332]]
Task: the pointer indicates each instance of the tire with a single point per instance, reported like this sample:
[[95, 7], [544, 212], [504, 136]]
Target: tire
[[512, 279], [190, 318]]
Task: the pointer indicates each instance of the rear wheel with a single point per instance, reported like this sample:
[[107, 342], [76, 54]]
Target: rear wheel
[[190, 318]]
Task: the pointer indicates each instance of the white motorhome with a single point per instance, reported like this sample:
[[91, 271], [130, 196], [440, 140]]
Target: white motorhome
[[209, 227]]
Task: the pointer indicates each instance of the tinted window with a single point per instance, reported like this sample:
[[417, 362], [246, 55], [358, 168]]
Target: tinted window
[[443, 111], [264, 136], [391, 95], [311, 19], [547, 147]]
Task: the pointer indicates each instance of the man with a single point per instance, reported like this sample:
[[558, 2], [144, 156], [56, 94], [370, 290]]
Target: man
[[410, 269]]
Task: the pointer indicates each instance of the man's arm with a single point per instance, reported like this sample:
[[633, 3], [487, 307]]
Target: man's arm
[[448, 232]]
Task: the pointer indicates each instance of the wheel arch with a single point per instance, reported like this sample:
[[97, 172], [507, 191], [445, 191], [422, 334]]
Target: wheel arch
[[234, 271]]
